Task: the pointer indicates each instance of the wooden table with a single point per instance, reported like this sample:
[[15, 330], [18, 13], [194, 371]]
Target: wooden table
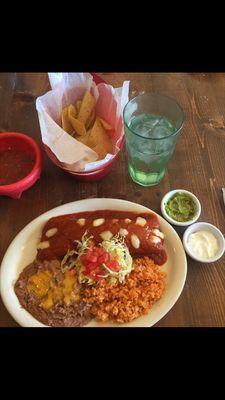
[[198, 165]]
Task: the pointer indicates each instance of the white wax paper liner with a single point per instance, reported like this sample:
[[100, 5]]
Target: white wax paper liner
[[66, 89]]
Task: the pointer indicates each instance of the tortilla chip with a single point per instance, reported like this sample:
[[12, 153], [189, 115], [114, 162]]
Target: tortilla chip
[[99, 140], [106, 125], [78, 104], [72, 112], [84, 139], [78, 126], [91, 120], [66, 125], [86, 108], [102, 150], [97, 131]]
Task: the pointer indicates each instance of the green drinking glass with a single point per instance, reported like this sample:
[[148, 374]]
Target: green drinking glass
[[152, 123]]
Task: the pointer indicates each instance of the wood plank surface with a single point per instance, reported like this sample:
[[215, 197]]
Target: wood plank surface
[[198, 165]]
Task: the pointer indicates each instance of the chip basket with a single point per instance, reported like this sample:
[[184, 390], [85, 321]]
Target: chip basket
[[93, 175]]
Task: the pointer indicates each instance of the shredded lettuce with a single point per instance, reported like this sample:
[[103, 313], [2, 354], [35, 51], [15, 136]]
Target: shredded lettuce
[[83, 246], [117, 247], [69, 262]]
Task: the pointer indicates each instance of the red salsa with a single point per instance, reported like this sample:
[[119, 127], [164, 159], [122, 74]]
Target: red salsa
[[14, 165]]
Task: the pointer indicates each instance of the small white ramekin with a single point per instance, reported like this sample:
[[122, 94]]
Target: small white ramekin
[[199, 226], [173, 221]]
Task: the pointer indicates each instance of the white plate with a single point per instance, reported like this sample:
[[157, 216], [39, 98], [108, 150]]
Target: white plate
[[22, 251]]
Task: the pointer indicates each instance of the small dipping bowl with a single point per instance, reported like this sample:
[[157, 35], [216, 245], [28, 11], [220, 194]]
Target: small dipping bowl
[[25, 143], [173, 221], [200, 226]]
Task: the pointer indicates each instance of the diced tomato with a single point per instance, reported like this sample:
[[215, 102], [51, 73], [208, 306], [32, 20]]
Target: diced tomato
[[100, 270], [114, 265], [88, 266], [91, 258], [85, 272], [95, 253], [87, 269], [99, 251], [104, 258], [88, 253], [91, 273], [91, 266]]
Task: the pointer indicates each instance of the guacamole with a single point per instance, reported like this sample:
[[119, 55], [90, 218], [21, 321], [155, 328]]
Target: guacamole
[[181, 207]]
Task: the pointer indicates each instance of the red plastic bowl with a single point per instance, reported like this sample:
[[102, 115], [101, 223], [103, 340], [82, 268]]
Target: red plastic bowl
[[96, 174], [22, 142]]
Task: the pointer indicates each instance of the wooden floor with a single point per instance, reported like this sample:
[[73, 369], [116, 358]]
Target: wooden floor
[[198, 165]]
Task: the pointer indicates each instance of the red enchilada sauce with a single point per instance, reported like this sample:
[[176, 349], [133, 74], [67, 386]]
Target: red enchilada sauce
[[15, 164], [68, 230]]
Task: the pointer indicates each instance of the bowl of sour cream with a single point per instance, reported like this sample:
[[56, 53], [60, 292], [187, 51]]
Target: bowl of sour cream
[[204, 242]]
